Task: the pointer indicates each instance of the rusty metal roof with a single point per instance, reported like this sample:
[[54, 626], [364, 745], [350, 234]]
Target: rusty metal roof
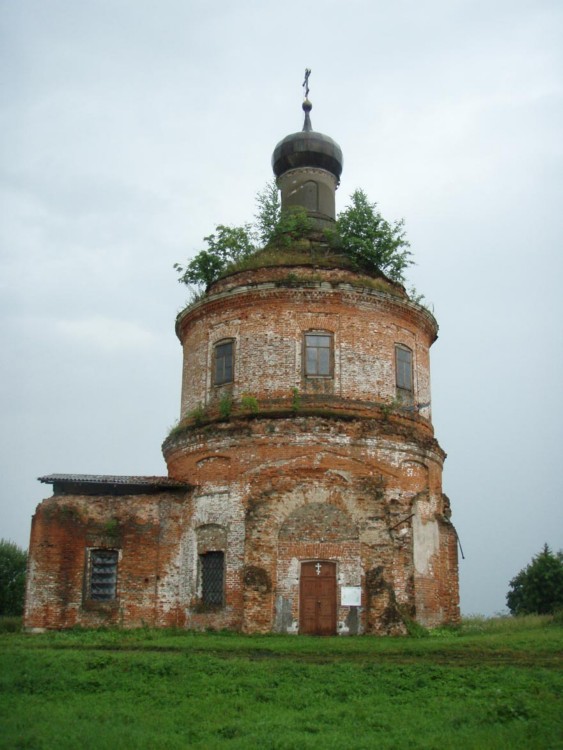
[[120, 483]]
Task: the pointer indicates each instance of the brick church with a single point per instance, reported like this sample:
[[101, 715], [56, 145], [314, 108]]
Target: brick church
[[304, 486]]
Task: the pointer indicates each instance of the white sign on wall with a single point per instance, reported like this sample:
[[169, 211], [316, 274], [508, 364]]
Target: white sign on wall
[[351, 596]]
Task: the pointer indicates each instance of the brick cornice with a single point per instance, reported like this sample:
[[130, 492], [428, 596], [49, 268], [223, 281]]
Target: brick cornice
[[339, 293], [413, 434]]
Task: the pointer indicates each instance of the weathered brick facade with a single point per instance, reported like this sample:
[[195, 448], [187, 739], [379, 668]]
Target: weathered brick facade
[[305, 438]]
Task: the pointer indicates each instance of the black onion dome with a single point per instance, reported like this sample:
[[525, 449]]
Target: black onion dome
[[307, 149]]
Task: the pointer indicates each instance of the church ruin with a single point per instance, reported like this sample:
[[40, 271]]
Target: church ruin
[[304, 487]]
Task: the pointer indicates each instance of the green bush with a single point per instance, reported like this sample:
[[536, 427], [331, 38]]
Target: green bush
[[10, 624], [225, 406], [538, 588], [13, 563], [199, 415], [249, 403], [415, 630]]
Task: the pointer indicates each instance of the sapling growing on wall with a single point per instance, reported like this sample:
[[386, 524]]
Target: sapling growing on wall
[[226, 245], [360, 233], [231, 244], [268, 212], [372, 242]]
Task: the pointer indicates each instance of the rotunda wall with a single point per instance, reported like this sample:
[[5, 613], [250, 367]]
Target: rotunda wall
[[310, 338]]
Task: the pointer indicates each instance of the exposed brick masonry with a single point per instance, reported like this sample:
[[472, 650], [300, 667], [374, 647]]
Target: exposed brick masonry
[[327, 469]]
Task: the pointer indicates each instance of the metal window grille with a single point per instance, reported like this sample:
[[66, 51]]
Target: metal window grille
[[318, 354], [212, 578], [103, 574], [224, 363]]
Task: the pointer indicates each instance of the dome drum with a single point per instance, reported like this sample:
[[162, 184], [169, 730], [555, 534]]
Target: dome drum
[[307, 166], [312, 189]]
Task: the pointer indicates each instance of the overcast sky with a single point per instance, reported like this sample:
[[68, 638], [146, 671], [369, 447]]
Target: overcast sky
[[131, 128]]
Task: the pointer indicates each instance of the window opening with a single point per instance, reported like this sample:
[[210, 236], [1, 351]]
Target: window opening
[[224, 363], [318, 354], [403, 372], [212, 578], [103, 574]]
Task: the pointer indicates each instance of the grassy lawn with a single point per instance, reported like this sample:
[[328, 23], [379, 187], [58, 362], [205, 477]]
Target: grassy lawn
[[492, 684]]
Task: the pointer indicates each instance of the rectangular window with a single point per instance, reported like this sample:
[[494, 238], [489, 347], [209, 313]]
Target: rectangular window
[[224, 363], [212, 566], [403, 371], [318, 354], [102, 585]]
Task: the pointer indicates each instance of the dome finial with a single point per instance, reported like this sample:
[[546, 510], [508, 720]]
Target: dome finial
[[307, 106], [307, 166]]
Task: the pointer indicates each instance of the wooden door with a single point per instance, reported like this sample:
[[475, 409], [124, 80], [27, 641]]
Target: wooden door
[[317, 598]]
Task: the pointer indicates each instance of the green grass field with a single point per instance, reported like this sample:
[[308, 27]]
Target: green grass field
[[491, 684]]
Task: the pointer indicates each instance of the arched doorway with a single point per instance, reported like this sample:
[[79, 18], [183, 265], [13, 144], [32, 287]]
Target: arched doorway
[[317, 598]]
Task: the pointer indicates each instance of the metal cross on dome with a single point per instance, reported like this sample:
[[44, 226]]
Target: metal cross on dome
[[306, 82], [318, 567]]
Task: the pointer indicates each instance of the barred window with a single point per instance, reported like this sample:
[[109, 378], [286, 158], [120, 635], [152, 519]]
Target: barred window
[[223, 363], [403, 373], [102, 585], [212, 566], [318, 354]]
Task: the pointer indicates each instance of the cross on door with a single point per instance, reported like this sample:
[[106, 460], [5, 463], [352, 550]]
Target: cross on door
[[318, 568]]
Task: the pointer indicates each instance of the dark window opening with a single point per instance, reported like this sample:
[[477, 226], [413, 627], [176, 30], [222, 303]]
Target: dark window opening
[[212, 578], [224, 363], [403, 373], [103, 574], [318, 354]]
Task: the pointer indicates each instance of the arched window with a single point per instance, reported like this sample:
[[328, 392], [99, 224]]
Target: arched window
[[404, 374], [318, 359], [223, 362]]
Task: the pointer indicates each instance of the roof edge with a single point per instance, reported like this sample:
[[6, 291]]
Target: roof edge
[[110, 480]]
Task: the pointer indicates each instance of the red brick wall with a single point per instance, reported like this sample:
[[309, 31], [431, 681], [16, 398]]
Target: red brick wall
[[143, 528], [267, 321], [338, 474]]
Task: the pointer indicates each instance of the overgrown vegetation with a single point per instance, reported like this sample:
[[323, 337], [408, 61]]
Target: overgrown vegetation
[[538, 588], [361, 235], [225, 246], [13, 562], [225, 406], [249, 403], [228, 409], [268, 212], [176, 689], [372, 242], [11, 624]]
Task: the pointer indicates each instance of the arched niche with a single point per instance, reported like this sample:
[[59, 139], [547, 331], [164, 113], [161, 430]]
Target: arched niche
[[310, 195]]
